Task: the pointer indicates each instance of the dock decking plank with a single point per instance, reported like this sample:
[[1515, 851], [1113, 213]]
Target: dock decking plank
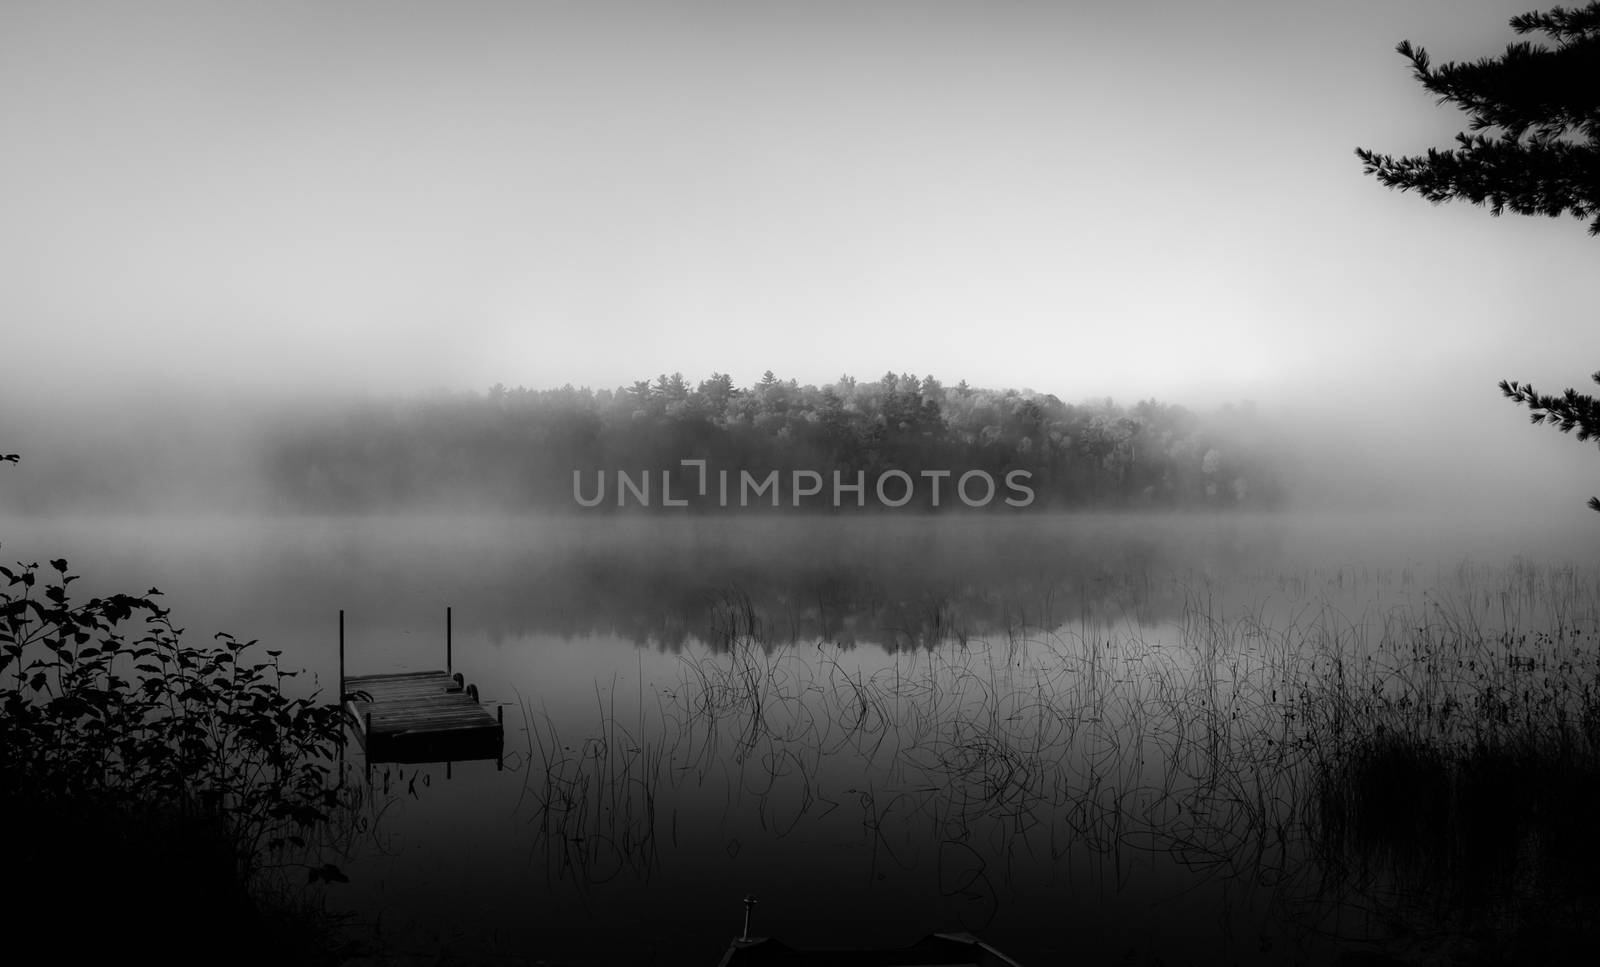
[[419, 717]]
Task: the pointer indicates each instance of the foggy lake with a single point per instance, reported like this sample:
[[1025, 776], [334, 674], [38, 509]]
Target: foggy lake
[[1070, 473], [1071, 734]]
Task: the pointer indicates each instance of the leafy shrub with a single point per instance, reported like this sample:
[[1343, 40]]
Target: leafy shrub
[[94, 718], [146, 782]]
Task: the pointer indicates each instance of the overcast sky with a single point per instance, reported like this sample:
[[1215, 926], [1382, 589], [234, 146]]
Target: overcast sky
[[1085, 198]]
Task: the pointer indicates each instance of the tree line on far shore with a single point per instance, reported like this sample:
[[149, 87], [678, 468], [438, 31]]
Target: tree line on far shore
[[519, 448]]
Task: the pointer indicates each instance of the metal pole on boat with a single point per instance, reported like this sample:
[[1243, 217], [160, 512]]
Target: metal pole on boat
[[339, 699], [447, 641], [749, 904]]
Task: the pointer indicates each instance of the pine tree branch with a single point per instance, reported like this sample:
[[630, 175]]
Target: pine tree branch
[[1555, 93], [1568, 412], [1560, 23], [1535, 114], [1526, 179]]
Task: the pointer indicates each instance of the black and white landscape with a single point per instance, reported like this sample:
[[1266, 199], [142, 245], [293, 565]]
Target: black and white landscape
[[1011, 468]]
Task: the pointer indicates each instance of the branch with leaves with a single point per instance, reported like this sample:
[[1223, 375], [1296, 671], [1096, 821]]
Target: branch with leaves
[[1568, 412], [1538, 110], [89, 713]]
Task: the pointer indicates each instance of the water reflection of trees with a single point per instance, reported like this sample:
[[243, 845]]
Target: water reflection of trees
[[900, 583]]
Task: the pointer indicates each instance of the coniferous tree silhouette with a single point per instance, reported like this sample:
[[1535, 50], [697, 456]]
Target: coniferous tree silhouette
[[1569, 411], [1535, 150], [1536, 113]]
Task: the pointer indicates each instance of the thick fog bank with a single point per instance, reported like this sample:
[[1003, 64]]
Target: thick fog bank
[[662, 450]]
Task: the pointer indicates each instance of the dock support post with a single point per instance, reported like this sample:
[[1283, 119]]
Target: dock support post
[[448, 667], [341, 657], [500, 720]]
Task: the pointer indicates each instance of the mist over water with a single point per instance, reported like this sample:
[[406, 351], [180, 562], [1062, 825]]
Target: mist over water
[[176, 450], [889, 580], [882, 725]]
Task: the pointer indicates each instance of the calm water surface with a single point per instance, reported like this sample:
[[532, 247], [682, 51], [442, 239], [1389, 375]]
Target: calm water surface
[[881, 727]]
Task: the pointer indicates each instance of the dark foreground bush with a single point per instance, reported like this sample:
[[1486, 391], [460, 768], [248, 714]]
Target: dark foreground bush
[[149, 788]]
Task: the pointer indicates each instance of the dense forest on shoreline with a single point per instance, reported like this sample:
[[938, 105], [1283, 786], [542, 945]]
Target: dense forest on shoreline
[[517, 450], [520, 448]]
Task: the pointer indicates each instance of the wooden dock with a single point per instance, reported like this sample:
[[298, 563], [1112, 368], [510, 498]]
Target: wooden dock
[[420, 717], [429, 716]]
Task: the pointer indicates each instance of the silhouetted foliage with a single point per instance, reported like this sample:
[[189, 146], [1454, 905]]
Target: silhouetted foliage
[[1540, 155], [87, 715], [144, 766], [1535, 114], [1569, 411]]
